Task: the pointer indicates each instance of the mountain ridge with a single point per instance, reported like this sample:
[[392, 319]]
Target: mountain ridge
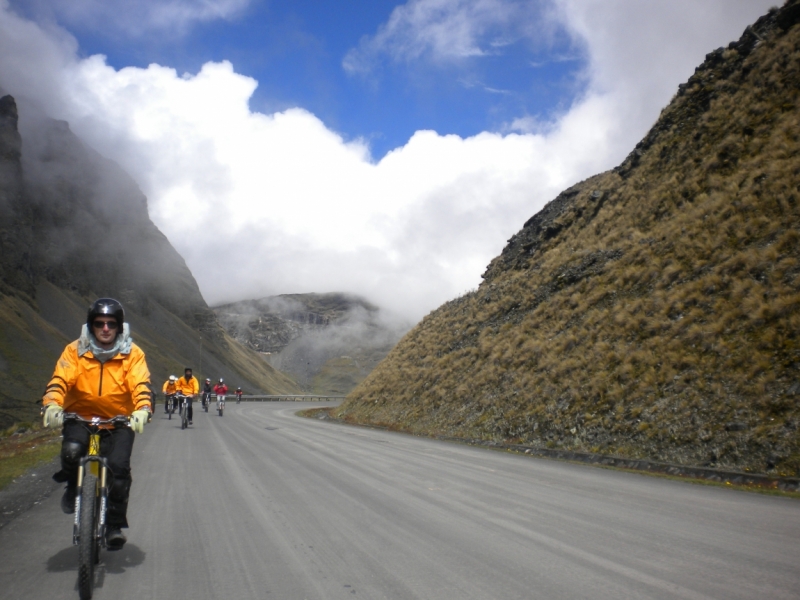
[[327, 341], [650, 311]]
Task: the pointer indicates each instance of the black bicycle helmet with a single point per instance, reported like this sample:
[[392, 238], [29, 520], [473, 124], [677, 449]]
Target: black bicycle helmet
[[107, 307]]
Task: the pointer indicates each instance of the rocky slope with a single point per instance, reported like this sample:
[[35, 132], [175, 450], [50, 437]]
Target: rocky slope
[[652, 311], [327, 342], [74, 226]]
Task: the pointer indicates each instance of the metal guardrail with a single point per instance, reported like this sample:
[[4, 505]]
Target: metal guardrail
[[280, 397]]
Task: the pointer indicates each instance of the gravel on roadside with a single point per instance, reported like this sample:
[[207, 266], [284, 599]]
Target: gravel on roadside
[[27, 490]]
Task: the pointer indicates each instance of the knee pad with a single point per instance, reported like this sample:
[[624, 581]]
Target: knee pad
[[71, 453], [119, 490]]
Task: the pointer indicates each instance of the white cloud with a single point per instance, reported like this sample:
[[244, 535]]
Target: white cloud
[[442, 30], [263, 204]]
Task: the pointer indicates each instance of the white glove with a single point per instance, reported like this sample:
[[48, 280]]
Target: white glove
[[138, 420], [53, 416]]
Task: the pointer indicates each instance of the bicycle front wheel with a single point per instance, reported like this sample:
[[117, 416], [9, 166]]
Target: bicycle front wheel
[[87, 544]]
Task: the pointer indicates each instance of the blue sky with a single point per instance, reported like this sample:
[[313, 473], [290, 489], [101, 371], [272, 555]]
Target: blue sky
[[296, 49], [387, 149]]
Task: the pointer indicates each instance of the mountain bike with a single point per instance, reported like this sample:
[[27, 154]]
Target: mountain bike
[[184, 410], [91, 501], [170, 405], [206, 400], [220, 404]]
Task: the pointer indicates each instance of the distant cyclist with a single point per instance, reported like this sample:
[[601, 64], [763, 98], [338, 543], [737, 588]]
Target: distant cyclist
[[189, 387], [206, 392], [220, 390], [170, 389], [238, 395]]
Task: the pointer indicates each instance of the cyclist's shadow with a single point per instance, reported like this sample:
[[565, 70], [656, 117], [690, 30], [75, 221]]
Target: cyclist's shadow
[[110, 562]]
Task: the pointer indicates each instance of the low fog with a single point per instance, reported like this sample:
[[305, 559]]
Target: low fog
[[263, 204], [87, 223], [300, 334], [360, 340]]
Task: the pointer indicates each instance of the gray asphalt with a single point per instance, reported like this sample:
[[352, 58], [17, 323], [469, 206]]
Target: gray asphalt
[[263, 504]]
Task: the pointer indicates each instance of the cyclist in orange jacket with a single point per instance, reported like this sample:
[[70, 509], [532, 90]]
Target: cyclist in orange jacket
[[101, 374], [170, 388], [189, 387]]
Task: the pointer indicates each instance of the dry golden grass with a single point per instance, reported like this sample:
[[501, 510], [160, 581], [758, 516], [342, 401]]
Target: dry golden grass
[[658, 321]]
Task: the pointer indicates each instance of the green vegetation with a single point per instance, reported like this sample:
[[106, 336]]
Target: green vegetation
[[652, 311], [22, 448], [337, 376]]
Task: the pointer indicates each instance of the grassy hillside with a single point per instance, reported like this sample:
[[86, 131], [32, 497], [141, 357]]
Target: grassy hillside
[[652, 311]]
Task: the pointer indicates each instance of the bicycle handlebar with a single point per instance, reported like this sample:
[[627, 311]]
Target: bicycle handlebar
[[118, 420]]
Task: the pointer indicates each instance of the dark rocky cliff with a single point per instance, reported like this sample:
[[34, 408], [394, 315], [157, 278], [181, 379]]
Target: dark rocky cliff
[[16, 243], [92, 231]]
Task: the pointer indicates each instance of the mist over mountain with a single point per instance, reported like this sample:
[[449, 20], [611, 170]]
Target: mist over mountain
[[327, 342], [651, 311], [73, 227]]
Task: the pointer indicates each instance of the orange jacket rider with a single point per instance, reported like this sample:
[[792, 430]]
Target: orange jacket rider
[[83, 385]]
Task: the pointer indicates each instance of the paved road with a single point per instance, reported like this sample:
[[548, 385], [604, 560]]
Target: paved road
[[262, 504]]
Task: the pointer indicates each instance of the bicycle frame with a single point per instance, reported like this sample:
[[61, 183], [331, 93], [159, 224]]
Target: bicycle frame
[[97, 466], [89, 526]]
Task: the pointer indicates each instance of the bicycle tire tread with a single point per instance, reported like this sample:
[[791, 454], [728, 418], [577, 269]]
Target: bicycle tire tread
[[87, 545]]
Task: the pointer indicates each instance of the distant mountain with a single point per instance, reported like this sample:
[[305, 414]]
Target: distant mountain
[[74, 226], [327, 342], [652, 311]]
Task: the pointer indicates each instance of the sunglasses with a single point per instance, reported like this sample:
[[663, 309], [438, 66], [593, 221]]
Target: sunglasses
[[102, 324]]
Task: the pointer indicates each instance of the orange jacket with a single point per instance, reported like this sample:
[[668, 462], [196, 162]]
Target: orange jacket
[[169, 387], [84, 385], [188, 388]]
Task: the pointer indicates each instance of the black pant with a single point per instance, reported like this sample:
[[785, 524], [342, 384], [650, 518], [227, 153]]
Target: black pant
[[116, 446]]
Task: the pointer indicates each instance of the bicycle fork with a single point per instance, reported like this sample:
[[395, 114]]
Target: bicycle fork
[[99, 468]]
